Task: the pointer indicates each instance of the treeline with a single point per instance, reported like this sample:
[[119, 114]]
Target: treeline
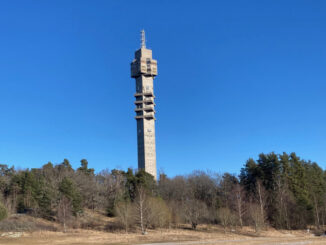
[[278, 190]]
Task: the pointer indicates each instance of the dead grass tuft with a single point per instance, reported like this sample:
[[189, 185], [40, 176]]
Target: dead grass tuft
[[22, 222]]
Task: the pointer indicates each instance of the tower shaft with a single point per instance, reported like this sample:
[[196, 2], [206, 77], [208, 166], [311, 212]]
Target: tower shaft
[[144, 69]]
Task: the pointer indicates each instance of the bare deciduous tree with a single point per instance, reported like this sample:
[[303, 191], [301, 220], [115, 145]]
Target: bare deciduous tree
[[261, 196], [160, 215], [64, 212], [224, 216], [123, 211], [239, 197], [141, 208], [194, 211], [256, 216]]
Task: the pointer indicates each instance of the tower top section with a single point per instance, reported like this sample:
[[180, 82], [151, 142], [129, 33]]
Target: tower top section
[[143, 63]]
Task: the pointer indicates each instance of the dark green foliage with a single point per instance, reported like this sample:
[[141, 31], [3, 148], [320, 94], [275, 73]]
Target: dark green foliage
[[296, 188], [84, 168], [66, 164], [127, 184], [3, 212], [249, 175], [68, 189], [44, 202], [141, 178]]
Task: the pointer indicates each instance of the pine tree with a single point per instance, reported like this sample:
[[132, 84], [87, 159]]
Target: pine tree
[[68, 190]]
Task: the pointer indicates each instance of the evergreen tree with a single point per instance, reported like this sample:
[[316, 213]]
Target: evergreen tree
[[68, 190]]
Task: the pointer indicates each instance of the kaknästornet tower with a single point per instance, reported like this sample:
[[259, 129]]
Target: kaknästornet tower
[[144, 69]]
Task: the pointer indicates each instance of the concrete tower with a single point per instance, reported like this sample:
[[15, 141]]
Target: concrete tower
[[144, 69]]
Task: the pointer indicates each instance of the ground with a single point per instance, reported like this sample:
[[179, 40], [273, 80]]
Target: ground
[[165, 237], [97, 229]]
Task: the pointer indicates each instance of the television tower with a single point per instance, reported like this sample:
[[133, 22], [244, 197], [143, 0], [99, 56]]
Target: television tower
[[144, 69]]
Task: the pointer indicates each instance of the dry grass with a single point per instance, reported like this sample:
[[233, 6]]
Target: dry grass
[[87, 237], [96, 228], [25, 223]]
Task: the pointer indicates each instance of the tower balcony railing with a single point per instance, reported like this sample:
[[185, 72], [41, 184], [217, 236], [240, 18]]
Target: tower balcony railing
[[146, 108], [146, 116], [149, 116], [149, 93], [149, 100], [149, 108], [145, 101], [137, 102], [139, 117], [138, 109], [144, 94]]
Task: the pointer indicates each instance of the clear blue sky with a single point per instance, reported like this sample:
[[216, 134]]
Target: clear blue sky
[[236, 78]]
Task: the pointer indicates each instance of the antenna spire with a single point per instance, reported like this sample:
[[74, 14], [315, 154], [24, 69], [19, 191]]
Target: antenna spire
[[143, 40]]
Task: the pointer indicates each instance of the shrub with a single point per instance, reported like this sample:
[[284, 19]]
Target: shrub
[[19, 223], [123, 211], [319, 232], [3, 212], [160, 215]]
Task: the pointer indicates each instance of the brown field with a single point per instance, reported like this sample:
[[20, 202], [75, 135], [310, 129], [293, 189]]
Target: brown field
[[97, 229], [174, 236]]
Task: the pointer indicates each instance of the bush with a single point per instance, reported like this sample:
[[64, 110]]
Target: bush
[[319, 232], [123, 211], [160, 215], [3, 212]]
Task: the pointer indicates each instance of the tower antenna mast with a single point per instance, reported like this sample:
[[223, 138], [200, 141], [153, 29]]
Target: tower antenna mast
[[143, 40]]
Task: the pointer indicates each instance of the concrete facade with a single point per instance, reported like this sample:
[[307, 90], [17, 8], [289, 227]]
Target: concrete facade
[[144, 69]]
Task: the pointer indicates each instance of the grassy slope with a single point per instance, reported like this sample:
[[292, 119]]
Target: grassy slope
[[96, 228]]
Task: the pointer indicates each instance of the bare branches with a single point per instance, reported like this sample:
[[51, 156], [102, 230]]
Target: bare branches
[[64, 212]]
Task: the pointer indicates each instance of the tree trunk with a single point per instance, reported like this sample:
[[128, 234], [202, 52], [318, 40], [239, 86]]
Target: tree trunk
[[239, 204], [261, 203], [64, 221], [141, 218], [316, 212]]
